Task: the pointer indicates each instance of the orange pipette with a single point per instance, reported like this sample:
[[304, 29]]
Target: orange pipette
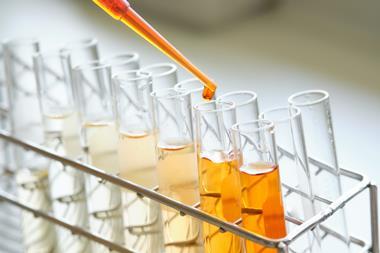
[[121, 10]]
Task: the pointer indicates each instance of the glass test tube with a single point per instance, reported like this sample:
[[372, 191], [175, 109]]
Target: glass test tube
[[122, 62], [25, 122], [61, 127], [219, 180], [164, 75], [320, 144], [82, 51], [137, 160], [99, 139], [246, 104], [194, 87], [262, 207], [293, 160], [176, 168]]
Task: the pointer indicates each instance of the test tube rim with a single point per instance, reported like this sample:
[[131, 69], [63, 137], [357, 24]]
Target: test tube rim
[[80, 43], [231, 106], [291, 116], [173, 69], [121, 58], [269, 126], [239, 92], [180, 93], [140, 75], [90, 66], [189, 81], [324, 96]]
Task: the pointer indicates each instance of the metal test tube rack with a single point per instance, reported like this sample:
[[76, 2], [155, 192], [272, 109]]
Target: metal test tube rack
[[283, 245]]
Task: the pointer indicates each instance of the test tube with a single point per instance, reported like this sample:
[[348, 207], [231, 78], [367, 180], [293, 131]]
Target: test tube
[[54, 81], [99, 139], [320, 144], [82, 51], [26, 124], [164, 75], [219, 180], [262, 207], [137, 160], [293, 160], [194, 87], [247, 107], [123, 62], [176, 168]]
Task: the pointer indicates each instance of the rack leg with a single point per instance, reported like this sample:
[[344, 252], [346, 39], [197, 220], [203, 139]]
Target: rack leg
[[374, 218]]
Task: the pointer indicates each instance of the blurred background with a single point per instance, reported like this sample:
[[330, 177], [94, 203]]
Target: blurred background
[[274, 48]]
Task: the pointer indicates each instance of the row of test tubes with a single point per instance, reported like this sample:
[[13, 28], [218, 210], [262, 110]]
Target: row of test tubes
[[142, 124]]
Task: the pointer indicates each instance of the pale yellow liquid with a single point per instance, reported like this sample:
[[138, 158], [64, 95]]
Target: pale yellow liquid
[[103, 197], [177, 174], [137, 161], [137, 158], [102, 142], [65, 126]]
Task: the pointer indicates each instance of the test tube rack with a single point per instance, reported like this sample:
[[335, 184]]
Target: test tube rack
[[284, 245]]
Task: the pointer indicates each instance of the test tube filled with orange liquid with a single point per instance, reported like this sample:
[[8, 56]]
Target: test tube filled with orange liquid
[[262, 206], [219, 180], [121, 10]]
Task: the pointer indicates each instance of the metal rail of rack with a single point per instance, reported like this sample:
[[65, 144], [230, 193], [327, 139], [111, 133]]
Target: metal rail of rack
[[283, 245]]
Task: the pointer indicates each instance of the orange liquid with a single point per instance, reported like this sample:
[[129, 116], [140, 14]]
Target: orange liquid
[[220, 196], [120, 9], [262, 208]]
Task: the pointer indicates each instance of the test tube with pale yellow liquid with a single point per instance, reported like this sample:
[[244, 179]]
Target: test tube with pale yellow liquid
[[99, 137], [137, 160], [176, 167]]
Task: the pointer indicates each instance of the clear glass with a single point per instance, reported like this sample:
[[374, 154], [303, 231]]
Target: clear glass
[[194, 87], [262, 207], [137, 160], [219, 180], [320, 144], [164, 75], [99, 138], [21, 85], [123, 62], [177, 168], [61, 127], [247, 107], [26, 123], [290, 141], [82, 51]]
